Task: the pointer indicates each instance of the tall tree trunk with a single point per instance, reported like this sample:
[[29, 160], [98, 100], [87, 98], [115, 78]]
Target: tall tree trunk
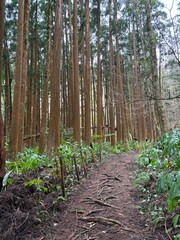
[[71, 69], [93, 97], [24, 76], [35, 78], [54, 125], [13, 146], [82, 70], [87, 87], [2, 9], [111, 72], [159, 108], [99, 77], [8, 94], [46, 80], [28, 130], [120, 104], [76, 105], [2, 149]]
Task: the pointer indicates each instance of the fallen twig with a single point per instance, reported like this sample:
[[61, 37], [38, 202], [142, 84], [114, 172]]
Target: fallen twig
[[108, 221]]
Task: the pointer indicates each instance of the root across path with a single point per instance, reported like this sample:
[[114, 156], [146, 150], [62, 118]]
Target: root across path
[[103, 207]]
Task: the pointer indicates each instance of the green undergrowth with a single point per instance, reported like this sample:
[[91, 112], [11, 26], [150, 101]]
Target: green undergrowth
[[65, 168], [159, 181]]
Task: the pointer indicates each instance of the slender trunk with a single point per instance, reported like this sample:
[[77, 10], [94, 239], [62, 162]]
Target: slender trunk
[[82, 70], [93, 97], [8, 95], [24, 76], [46, 81], [35, 78], [111, 102], [76, 105], [99, 79], [71, 69], [54, 125], [159, 108], [13, 146], [2, 149]]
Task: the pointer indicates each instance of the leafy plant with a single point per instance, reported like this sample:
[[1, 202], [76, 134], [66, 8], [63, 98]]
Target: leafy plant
[[27, 161], [161, 163]]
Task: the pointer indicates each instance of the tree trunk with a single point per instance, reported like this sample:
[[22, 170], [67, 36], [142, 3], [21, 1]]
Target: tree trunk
[[2, 149], [13, 146], [87, 87], [99, 77], [54, 125], [111, 72], [82, 70], [46, 80], [159, 108], [8, 95], [71, 69], [76, 104], [35, 78], [24, 76]]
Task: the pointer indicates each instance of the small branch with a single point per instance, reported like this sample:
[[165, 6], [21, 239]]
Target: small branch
[[149, 98], [32, 136]]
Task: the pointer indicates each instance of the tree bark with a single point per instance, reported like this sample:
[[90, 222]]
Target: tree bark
[[2, 149], [99, 77], [35, 81], [54, 125], [111, 98], [13, 146], [87, 88], [76, 105], [24, 76], [46, 80]]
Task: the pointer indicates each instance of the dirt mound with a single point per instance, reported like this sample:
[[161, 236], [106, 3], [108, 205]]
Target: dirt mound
[[23, 210]]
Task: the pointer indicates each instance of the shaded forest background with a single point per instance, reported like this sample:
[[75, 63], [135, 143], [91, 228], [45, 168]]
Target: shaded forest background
[[89, 70]]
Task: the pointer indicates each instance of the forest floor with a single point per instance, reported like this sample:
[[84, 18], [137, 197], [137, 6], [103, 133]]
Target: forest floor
[[102, 207]]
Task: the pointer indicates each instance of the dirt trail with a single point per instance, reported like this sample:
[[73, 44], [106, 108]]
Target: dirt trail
[[103, 207]]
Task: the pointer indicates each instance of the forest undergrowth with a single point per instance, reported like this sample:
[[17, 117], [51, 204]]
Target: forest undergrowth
[[35, 186], [158, 180]]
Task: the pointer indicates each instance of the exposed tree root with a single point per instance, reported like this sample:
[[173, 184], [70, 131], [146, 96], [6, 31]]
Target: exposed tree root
[[102, 203], [94, 211], [108, 221], [116, 178]]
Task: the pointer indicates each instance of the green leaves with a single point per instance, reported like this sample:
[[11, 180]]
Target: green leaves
[[174, 192], [27, 161], [162, 163]]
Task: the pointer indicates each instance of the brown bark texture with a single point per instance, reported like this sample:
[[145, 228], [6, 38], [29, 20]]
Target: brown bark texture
[[2, 149], [54, 127], [76, 103], [46, 80], [87, 87], [13, 146]]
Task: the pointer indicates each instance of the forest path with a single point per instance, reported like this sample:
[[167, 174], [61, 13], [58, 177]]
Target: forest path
[[104, 206]]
